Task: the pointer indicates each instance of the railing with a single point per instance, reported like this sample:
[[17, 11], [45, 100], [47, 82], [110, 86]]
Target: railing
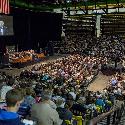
[[117, 112]]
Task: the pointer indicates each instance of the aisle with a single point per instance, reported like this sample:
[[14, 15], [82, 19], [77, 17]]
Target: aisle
[[99, 83]]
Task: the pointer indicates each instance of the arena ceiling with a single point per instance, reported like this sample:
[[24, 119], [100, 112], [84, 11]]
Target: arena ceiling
[[54, 4]]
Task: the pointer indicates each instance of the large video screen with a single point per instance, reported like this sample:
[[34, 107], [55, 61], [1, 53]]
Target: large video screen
[[6, 25]]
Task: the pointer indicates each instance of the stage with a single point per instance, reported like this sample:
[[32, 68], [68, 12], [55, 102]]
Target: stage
[[10, 70]]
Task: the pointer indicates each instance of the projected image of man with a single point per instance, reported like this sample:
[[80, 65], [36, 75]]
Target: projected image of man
[[3, 29]]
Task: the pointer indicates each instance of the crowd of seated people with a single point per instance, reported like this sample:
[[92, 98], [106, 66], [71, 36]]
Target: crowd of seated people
[[109, 46], [54, 92], [53, 81], [55, 105], [72, 67], [104, 46], [77, 43]]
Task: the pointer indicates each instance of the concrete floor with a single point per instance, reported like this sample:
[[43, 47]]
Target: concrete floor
[[99, 83]]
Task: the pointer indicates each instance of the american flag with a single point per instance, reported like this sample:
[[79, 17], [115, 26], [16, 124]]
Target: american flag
[[4, 6]]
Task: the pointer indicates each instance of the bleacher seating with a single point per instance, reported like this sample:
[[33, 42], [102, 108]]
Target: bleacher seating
[[113, 24]]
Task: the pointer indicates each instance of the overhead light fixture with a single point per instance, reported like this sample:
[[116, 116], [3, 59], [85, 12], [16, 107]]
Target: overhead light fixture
[[68, 1], [98, 11]]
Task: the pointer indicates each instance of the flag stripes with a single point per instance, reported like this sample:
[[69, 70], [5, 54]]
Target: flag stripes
[[4, 6]]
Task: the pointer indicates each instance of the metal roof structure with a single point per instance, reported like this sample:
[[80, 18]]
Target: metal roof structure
[[70, 5]]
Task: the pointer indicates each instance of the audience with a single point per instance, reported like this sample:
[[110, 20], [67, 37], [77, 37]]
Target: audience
[[53, 92], [111, 47]]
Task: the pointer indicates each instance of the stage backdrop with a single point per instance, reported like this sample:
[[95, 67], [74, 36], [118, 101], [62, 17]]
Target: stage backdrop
[[36, 29], [33, 29]]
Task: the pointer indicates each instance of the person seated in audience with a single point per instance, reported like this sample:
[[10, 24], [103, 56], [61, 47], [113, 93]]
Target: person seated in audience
[[100, 102], [79, 108], [5, 88], [68, 114], [29, 99], [51, 102], [43, 113], [25, 106], [114, 81], [13, 100], [64, 109]]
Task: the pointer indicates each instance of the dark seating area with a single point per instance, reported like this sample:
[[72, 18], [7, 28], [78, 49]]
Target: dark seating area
[[113, 24]]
